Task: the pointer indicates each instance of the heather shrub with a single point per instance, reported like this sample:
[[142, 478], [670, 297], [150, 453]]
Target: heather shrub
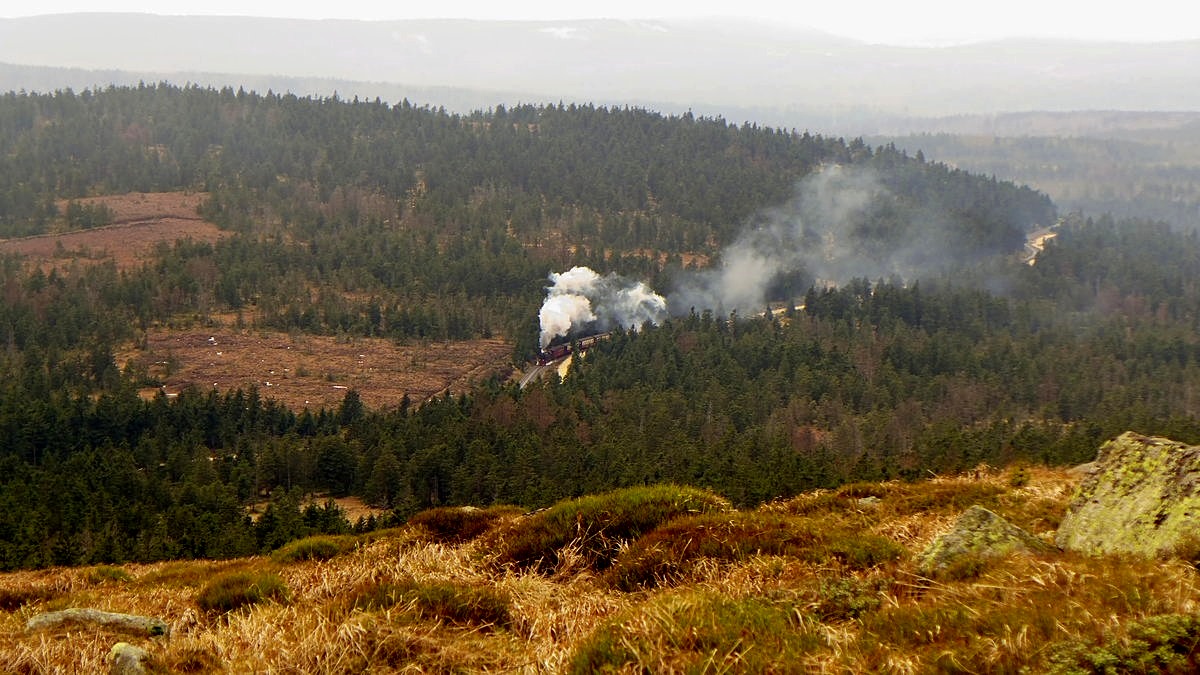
[[12, 599], [845, 598], [1018, 477], [666, 554], [895, 499], [458, 524], [1188, 550], [864, 490]]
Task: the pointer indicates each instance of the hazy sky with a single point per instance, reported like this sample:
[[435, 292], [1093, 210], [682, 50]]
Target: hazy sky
[[923, 22]]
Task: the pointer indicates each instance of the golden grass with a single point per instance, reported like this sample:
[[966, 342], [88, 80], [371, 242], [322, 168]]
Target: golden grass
[[745, 613]]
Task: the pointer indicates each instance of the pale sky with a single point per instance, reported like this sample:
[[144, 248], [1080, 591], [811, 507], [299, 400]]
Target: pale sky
[[908, 22]]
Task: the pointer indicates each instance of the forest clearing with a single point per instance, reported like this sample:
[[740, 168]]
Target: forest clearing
[[140, 223], [315, 371]]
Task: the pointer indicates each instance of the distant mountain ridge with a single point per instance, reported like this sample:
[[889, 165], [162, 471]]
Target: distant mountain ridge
[[46, 79], [700, 63]]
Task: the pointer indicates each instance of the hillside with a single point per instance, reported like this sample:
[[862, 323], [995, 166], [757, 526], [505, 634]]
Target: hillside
[[373, 254], [1129, 165], [824, 581]]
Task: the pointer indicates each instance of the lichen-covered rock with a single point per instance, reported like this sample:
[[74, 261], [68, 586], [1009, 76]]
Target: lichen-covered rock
[[1143, 497], [977, 533], [129, 623]]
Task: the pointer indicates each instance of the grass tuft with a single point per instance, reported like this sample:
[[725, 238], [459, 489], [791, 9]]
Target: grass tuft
[[321, 547], [862, 550], [457, 604], [191, 573], [105, 573], [240, 589], [668, 554], [698, 632], [965, 567], [591, 531]]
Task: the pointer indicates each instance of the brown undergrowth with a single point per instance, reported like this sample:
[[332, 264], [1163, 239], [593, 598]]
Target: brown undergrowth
[[660, 579]]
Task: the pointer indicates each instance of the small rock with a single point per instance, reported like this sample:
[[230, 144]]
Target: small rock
[[126, 659], [981, 533]]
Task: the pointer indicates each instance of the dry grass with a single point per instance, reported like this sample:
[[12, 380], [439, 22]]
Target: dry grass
[[446, 607]]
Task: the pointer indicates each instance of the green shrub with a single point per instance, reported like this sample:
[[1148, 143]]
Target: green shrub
[[457, 604], [700, 633], [860, 551], [1168, 643], [238, 589], [597, 526], [845, 598], [458, 524], [321, 547]]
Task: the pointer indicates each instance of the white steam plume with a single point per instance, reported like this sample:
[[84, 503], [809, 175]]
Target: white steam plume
[[824, 232], [580, 300]]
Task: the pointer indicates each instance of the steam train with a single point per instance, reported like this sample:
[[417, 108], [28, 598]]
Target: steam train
[[555, 352]]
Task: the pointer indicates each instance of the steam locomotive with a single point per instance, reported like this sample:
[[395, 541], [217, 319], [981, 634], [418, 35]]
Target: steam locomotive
[[558, 351]]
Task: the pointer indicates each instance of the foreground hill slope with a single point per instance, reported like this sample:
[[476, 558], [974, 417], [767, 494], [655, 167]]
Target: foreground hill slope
[[824, 581]]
